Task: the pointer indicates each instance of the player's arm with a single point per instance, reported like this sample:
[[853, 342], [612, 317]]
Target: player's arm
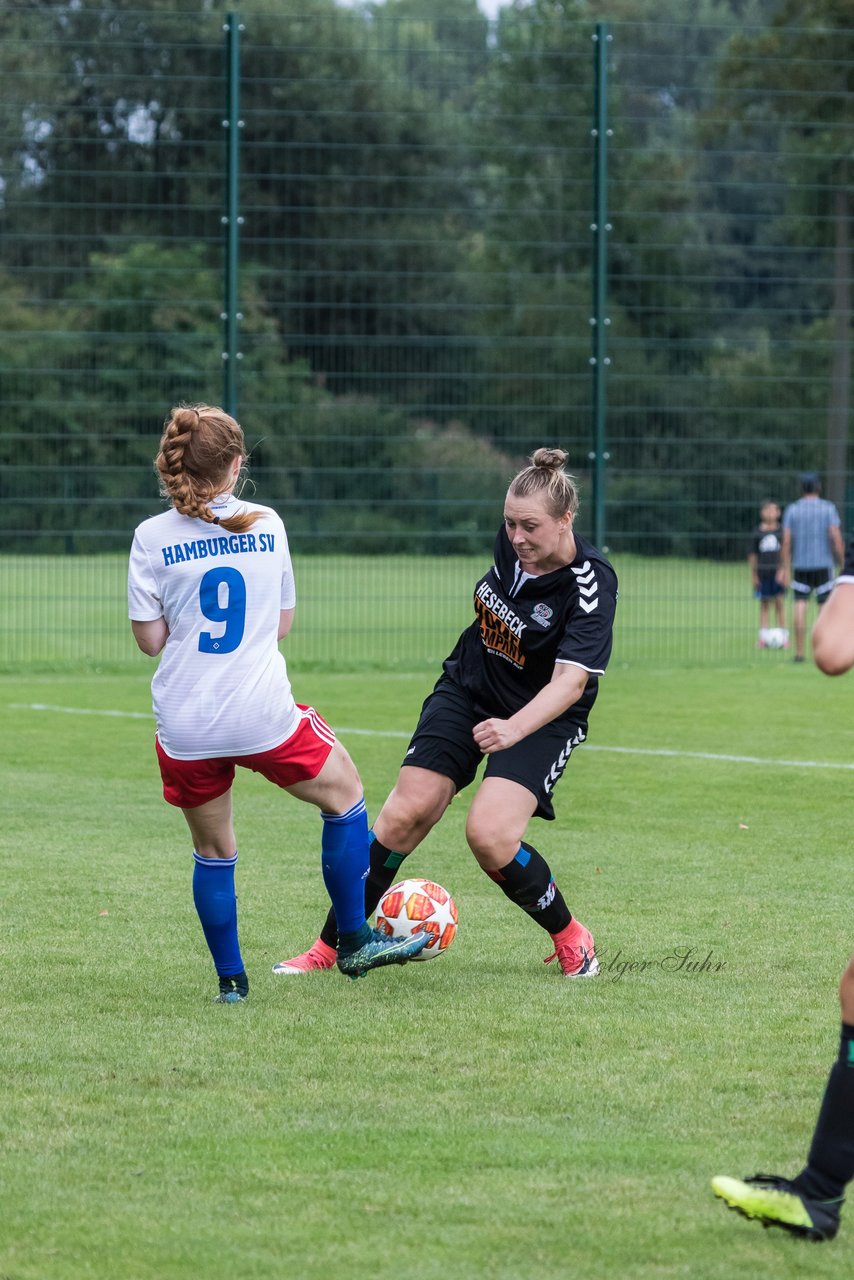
[[784, 573], [837, 545], [286, 619], [150, 636], [752, 561], [566, 686], [833, 633]]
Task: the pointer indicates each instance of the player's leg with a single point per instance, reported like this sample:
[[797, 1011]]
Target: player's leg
[[824, 588], [495, 831], [337, 791], [201, 789], [763, 615], [214, 860], [846, 994], [830, 1164], [779, 611], [441, 759], [800, 620], [415, 805], [810, 1204]]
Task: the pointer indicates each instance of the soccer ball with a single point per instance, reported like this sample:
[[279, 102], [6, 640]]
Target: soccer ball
[[774, 637], [419, 906]]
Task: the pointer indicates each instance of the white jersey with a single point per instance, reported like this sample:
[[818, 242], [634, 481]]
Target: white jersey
[[222, 686]]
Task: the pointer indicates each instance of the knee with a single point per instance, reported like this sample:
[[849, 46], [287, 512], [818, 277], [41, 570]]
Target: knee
[[404, 821], [828, 660], [491, 842]]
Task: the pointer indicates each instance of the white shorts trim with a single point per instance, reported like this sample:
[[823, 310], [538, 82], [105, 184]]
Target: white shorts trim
[[319, 725]]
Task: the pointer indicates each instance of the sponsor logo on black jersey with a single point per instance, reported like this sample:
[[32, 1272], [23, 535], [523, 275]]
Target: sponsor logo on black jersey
[[500, 628], [542, 613]]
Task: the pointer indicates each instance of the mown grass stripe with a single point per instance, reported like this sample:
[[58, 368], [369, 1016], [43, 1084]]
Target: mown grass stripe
[[668, 752]]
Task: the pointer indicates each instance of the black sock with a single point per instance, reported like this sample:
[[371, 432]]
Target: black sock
[[385, 864], [528, 882], [830, 1164]]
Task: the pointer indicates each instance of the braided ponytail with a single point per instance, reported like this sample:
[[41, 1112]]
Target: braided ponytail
[[197, 450]]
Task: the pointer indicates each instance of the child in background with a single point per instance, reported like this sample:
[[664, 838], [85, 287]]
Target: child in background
[[764, 561]]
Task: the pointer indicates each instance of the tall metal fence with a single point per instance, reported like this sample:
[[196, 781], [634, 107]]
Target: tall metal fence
[[375, 232]]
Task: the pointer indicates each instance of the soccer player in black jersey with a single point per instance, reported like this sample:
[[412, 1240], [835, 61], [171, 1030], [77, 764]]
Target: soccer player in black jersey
[[809, 1204], [517, 689]]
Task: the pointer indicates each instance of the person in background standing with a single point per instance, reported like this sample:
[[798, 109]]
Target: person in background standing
[[812, 547], [764, 561]]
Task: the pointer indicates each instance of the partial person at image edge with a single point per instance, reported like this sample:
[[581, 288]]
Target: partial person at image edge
[[810, 1204]]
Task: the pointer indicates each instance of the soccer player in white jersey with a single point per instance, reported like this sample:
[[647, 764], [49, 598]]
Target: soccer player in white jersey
[[211, 590], [516, 690]]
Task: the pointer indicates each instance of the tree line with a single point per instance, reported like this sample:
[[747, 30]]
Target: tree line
[[416, 189]]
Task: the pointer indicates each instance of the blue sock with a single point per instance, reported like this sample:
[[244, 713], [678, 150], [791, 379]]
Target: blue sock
[[216, 904], [345, 861]]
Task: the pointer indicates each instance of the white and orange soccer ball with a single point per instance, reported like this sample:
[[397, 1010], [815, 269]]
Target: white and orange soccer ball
[[419, 906]]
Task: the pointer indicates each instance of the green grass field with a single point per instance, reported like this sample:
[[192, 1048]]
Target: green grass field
[[385, 613], [476, 1116]]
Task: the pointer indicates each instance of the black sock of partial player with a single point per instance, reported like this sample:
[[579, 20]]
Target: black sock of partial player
[[385, 864], [528, 882], [830, 1164]]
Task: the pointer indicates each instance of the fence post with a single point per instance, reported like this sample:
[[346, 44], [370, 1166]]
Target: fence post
[[599, 321], [232, 222]]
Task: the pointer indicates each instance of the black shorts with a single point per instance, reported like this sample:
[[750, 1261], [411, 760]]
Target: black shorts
[[805, 581], [443, 743]]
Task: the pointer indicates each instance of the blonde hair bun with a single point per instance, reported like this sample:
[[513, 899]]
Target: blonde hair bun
[[549, 459], [547, 478]]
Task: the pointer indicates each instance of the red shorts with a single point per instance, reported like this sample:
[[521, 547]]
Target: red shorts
[[189, 783]]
